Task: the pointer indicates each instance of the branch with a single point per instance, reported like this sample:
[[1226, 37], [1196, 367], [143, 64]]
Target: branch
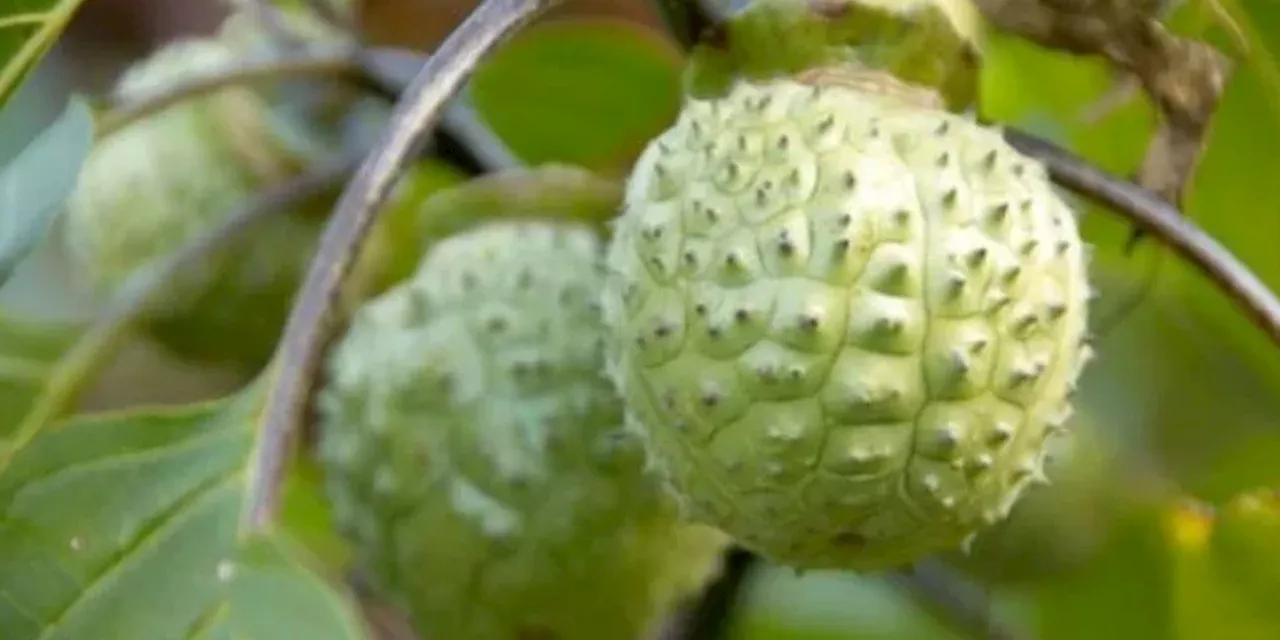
[[77, 367], [268, 15], [1185, 78], [311, 325], [1165, 222], [952, 600], [292, 65], [688, 21], [463, 138], [390, 70]]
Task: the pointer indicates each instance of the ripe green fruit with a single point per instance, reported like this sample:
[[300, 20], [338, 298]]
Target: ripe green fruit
[[847, 322], [476, 457]]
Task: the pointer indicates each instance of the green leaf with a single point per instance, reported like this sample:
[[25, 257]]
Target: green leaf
[[585, 92], [28, 352], [38, 179], [1245, 547], [28, 28], [126, 525], [1213, 598]]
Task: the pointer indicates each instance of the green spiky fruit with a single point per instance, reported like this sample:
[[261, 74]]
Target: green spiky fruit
[[158, 183], [846, 322], [476, 457]]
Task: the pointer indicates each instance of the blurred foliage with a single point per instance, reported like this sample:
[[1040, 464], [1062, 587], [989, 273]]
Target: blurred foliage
[[1184, 400], [140, 508], [585, 92]]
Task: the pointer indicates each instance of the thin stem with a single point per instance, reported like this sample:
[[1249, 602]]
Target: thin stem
[[272, 22], [952, 600], [91, 352], [465, 125], [312, 323], [1163, 221], [293, 65]]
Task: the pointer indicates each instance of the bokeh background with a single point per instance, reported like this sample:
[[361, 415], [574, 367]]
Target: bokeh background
[[1178, 417]]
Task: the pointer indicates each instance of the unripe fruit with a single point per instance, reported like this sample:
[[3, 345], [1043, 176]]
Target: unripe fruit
[[476, 457], [846, 321], [158, 183]]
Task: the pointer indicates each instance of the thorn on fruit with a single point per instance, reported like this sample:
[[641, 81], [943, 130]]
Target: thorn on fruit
[[902, 218], [989, 160], [999, 212], [949, 198], [978, 345], [1001, 433]]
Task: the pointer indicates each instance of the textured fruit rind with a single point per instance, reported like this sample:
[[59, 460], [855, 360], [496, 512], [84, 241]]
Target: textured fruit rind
[[475, 452], [846, 325]]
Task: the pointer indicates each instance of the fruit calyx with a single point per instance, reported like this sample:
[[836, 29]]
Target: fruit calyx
[[930, 43]]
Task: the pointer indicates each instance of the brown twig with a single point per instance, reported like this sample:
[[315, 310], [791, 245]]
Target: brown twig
[[1184, 78], [311, 325], [1165, 222], [89, 354]]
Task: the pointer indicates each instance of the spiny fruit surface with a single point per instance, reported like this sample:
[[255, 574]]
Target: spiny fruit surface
[[157, 183], [476, 457], [846, 324]]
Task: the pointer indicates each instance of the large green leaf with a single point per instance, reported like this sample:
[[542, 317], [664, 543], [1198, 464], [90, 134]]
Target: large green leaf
[[588, 92], [127, 526], [27, 29], [35, 182]]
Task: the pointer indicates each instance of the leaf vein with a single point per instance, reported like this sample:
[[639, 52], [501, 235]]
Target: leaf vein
[[131, 458], [161, 524]]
